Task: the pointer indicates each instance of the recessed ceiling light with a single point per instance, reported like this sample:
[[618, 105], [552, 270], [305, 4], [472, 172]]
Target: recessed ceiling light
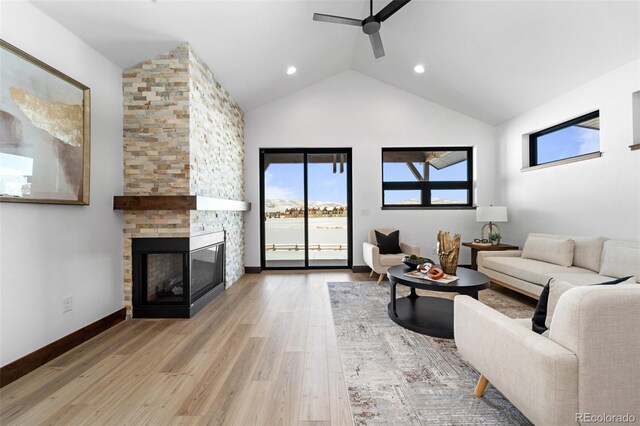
[[419, 68], [291, 70]]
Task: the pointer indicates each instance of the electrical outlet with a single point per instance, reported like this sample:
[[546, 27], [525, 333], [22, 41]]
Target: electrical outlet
[[67, 304]]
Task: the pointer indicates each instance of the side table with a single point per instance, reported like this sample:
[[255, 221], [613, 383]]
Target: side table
[[476, 247]]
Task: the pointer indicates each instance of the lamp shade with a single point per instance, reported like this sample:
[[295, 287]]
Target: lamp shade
[[491, 214]]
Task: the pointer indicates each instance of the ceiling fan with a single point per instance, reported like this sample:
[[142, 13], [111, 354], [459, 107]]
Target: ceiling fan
[[370, 25]]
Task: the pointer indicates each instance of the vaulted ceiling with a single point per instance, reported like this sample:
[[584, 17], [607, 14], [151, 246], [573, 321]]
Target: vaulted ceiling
[[491, 60]]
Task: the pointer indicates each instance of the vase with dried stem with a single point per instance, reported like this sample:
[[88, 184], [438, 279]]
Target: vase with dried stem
[[448, 251]]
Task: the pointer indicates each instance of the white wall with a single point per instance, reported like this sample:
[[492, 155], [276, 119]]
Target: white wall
[[353, 110], [592, 197], [48, 252]]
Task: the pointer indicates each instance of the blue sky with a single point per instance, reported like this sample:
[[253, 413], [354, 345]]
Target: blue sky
[[400, 172], [568, 142], [286, 182], [394, 172]]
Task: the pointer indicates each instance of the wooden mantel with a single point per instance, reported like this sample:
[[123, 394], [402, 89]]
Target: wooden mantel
[[177, 202]]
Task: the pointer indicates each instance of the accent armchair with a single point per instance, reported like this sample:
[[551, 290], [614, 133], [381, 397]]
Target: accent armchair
[[380, 263]]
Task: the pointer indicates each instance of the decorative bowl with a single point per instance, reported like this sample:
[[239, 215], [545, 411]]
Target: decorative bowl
[[412, 264]]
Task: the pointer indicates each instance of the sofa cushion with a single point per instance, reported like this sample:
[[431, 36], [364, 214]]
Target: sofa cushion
[[586, 277], [530, 270], [551, 250], [587, 252], [621, 258], [526, 287], [391, 259]]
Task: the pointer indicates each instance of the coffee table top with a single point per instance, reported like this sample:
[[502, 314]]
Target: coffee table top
[[469, 281]]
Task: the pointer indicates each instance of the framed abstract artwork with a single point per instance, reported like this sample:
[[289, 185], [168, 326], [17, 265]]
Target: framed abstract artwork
[[45, 132]]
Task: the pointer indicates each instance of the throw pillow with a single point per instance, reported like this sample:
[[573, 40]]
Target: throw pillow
[[540, 314], [550, 250], [389, 244], [587, 251], [550, 296]]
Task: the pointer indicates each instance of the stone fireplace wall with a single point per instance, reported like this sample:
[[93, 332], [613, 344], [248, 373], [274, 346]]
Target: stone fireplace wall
[[156, 125], [183, 135], [216, 135]]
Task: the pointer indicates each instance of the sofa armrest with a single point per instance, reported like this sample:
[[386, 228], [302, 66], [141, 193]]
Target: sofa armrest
[[507, 253], [538, 375], [408, 248], [600, 324]]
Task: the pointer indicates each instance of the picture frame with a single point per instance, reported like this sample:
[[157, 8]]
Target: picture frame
[[45, 132]]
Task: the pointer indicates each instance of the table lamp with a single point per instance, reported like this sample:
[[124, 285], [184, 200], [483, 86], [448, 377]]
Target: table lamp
[[491, 214]]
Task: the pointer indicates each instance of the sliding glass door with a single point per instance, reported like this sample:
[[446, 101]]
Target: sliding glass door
[[283, 190], [306, 208], [327, 209]]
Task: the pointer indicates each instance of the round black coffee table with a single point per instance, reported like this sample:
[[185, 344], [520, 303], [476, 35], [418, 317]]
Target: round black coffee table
[[425, 314]]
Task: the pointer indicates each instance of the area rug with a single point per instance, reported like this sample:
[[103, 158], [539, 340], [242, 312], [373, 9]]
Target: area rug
[[395, 376]]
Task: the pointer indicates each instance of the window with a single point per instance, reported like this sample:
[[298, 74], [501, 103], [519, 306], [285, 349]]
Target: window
[[427, 177], [571, 139]]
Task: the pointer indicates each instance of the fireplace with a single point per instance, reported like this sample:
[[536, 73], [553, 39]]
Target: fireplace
[[176, 277]]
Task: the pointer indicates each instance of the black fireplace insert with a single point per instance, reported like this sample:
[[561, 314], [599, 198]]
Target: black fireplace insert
[[176, 277]]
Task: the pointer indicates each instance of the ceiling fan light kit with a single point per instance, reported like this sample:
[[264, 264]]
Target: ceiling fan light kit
[[370, 25]]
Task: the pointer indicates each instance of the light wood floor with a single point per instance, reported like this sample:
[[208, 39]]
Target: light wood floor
[[264, 352]]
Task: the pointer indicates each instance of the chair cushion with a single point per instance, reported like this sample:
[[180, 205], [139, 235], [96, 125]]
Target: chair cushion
[[388, 244], [391, 259], [551, 250], [620, 258], [534, 271]]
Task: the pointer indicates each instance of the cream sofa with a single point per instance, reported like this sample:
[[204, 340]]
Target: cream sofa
[[589, 363], [380, 263], [593, 260]]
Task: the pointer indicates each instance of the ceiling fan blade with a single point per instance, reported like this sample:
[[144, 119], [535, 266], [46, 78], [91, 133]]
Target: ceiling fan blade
[[321, 17], [390, 9], [376, 43]]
